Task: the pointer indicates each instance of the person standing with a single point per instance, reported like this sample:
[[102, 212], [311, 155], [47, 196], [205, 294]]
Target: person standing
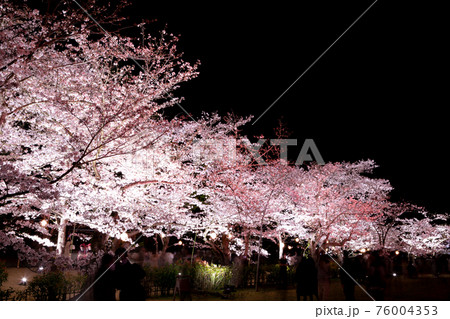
[[347, 273], [128, 278], [323, 277], [104, 287], [283, 273], [376, 277], [306, 277]]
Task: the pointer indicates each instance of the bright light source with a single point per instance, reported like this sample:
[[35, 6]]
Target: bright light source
[[297, 240], [394, 274], [397, 252], [44, 222], [229, 236], [24, 280], [363, 250], [213, 235], [180, 243], [289, 247], [41, 268], [124, 236]]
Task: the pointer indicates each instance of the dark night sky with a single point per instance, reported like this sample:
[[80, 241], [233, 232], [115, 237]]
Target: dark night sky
[[378, 93]]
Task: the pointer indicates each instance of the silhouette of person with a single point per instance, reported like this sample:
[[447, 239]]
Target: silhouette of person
[[283, 272], [128, 278], [104, 288], [411, 268], [376, 277], [306, 277], [348, 284], [323, 277]]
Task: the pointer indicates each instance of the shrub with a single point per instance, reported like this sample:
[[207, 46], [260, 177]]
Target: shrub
[[6, 294], [55, 285], [203, 276], [211, 277], [49, 286]]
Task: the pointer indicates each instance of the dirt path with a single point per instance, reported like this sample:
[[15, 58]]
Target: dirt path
[[15, 276]]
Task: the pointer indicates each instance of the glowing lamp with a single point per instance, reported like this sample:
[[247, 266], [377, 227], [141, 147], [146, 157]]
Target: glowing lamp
[[394, 274], [213, 235], [297, 240], [41, 268], [180, 243], [397, 252], [24, 281], [124, 236], [363, 250], [289, 247], [44, 222]]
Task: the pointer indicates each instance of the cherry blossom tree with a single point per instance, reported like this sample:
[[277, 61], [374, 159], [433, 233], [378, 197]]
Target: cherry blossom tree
[[335, 203], [70, 102], [83, 141]]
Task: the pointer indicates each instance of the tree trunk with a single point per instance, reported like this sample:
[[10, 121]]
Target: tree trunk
[[60, 244], [259, 252], [314, 250], [259, 260], [246, 245], [280, 247], [226, 249], [165, 244]]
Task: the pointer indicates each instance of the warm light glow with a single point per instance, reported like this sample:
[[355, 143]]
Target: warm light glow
[[44, 222], [124, 236], [24, 279], [41, 268], [213, 235], [180, 243], [297, 240], [289, 247], [397, 252], [363, 250], [229, 236], [394, 274]]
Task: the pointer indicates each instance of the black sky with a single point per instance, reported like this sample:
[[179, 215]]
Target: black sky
[[378, 93]]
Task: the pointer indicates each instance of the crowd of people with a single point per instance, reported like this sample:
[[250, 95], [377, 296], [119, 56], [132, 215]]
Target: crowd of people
[[119, 279], [117, 273], [313, 277]]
